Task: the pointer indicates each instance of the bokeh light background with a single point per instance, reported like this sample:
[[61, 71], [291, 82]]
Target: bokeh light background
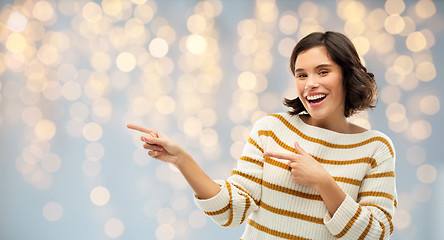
[[74, 73]]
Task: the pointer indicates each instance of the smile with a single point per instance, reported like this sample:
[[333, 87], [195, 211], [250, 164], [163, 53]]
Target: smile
[[315, 100]]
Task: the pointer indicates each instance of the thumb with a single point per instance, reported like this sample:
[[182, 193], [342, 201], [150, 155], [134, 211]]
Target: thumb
[[299, 149], [155, 141]]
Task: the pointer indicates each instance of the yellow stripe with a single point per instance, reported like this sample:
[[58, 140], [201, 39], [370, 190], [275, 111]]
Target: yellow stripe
[[282, 165], [230, 219], [252, 142], [252, 160], [348, 180], [383, 230], [218, 211], [332, 145], [291, 214], [247, 206], [364, 234], [349, 224], [387, 215], [243, 190], [381, 175], [367, 160], [377, 194], [273, 232], [277, 187]]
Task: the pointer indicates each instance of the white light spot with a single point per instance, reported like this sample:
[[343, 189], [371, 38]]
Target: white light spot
[[52, 211], [114, 228], [100, 196], [17, 22]]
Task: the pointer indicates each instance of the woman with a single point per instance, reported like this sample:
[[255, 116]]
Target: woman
[[337, 181]]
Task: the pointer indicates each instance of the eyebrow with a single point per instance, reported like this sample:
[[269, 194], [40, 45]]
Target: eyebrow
[[316, 68]]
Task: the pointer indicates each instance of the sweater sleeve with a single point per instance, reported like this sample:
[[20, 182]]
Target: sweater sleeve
[[241, 192], [370, 217]]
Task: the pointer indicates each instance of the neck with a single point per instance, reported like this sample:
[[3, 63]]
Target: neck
[[338, 124]]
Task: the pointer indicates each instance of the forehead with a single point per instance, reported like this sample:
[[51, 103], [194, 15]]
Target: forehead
[[313, 56]]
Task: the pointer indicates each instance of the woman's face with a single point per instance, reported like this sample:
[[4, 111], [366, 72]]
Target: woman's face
[[319, 84]]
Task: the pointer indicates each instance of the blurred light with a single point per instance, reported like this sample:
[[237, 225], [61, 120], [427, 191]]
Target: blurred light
[[399, 125], [41, 179], [196, 24], [376, 18], [99, 196], [208, 117], [114, 228], [45, 129], [94, 151], [144, 12], [308, 9], [17, 22], [91, 168], [43, 11], [426, 71], [16, 42], [362, 45], [394, 24], [403, 65], [101, 61], [112, 7], [196, 44], [246, 81], [71, 91], [192, 126], [165, 231], [197, 219], [429, 105], [402, 219], [52, 211], [416, 41], [415, 155], [394, 6], [166, 216], [31, 115], [421, 129], [421, 192], [92, 12], [52, 90], [351, 10], [247, 28], [134, 28], [126, 62], [166, 105], [208, 138], [288, 24], [141, 157], [390, 94], [236, 149], [410, 26], [51, 162], [92, 131], [158, 47], [79, 111], [426, 173], [354, 28], [425, 8], [286, 46], [102, 108]]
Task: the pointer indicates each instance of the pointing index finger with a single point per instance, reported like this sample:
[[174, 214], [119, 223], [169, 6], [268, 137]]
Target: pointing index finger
[[141, 129]]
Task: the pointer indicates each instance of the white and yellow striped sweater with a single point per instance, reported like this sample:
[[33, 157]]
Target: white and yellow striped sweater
[[260, 190]]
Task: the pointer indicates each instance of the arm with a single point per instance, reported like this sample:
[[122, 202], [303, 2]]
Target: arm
[[162, 148]]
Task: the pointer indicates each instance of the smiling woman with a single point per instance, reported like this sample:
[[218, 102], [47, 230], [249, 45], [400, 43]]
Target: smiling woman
[[338, 180]]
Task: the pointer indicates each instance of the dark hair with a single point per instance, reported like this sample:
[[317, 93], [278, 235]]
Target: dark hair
[[359, 85]]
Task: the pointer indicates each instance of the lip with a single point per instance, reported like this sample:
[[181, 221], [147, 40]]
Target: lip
[[315, 105]]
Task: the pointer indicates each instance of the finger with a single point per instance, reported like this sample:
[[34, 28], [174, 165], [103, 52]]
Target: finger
[[155, 141], [141, 129], [284, 156], [299, 149], [152, 147]]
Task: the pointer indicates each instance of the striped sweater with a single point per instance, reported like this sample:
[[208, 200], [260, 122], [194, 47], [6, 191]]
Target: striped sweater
[[261, 193]]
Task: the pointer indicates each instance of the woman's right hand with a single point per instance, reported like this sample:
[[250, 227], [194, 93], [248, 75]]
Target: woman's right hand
[[160, 146]]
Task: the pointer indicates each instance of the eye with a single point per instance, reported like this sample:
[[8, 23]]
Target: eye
[[301, 75], [323, 72]]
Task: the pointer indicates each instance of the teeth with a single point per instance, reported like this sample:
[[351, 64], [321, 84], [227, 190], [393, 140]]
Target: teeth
[[315, 97]]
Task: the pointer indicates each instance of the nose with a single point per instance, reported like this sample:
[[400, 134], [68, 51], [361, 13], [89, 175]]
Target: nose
[[311, 83]]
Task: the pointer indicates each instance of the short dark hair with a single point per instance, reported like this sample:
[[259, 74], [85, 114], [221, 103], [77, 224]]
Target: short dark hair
[[359, 85]]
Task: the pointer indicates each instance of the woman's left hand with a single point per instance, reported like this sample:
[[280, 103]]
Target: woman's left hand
[[305, 169]]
